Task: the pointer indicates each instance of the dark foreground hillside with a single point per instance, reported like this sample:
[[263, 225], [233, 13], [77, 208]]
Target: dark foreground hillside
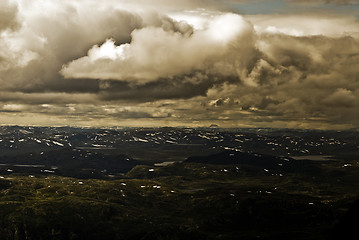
[[140, 183], [201, 198]]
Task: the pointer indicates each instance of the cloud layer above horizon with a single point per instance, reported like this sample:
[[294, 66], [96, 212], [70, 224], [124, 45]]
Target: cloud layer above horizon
[[193, 63]]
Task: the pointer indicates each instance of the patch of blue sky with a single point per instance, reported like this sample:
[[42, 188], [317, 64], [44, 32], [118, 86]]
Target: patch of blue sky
[[286, 6], [258, 6], [340, 8]]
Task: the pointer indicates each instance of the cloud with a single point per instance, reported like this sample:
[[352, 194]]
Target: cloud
[[310, 79], [331, 25], [341, 97], [8, 16], [171, 63], [179, 87], [159, 53], [9, 97], [53, 33]]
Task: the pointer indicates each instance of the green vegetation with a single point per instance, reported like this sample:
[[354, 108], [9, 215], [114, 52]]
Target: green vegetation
[[180, 201], [79, 183]]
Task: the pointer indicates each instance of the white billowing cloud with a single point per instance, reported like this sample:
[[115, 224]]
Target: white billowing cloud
[[107, 50], [51, 33], [156, 53], [12, 53], [197, 65]]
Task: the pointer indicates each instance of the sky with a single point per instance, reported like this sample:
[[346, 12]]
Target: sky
[[190, 63]]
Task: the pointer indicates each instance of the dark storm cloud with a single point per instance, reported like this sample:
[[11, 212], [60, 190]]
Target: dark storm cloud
[[302, 79], [179, 87], [71, 40], [8, 16], [44, 43], [58, 84], [126, 60], [33, 55], [36, 98]]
